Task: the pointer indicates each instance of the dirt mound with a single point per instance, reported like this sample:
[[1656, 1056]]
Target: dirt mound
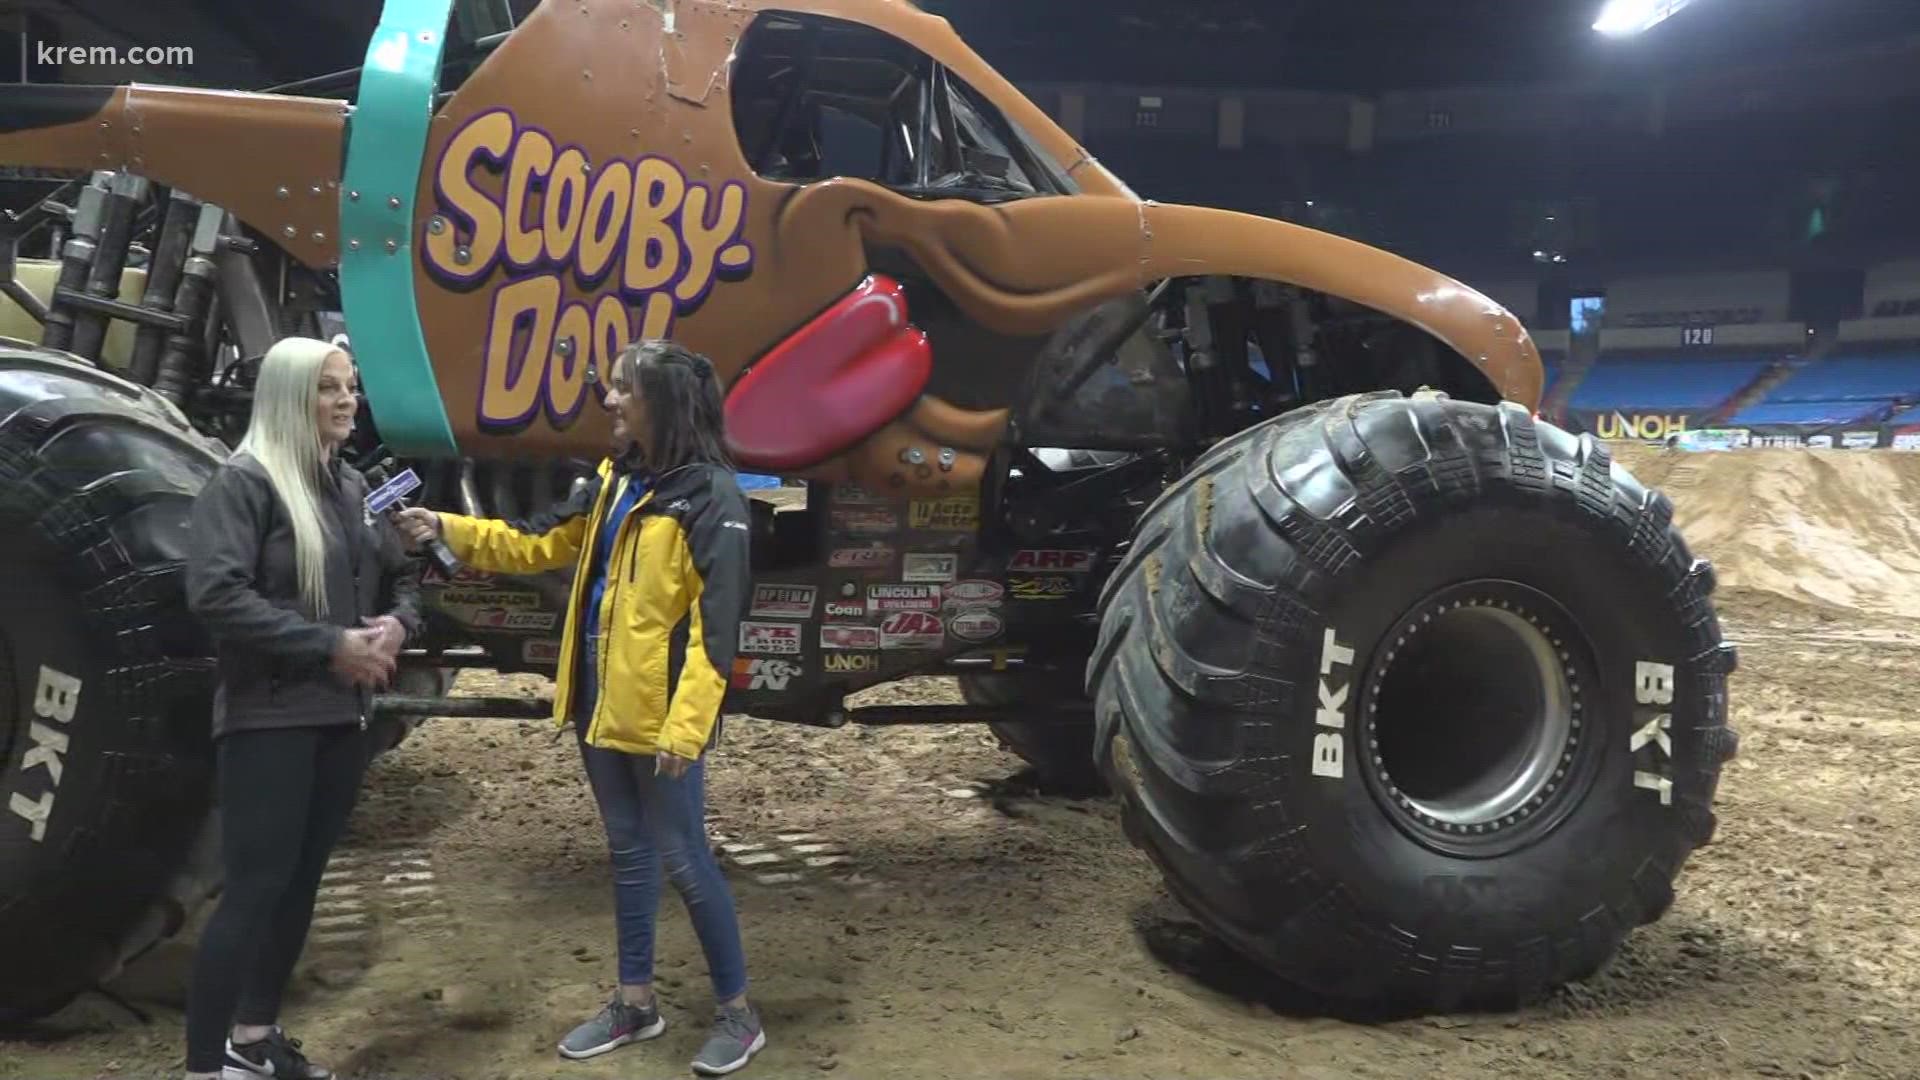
[[1825, 528]]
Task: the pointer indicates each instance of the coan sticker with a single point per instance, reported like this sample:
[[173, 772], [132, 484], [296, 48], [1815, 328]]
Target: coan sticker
[[929, 566], [975, 625], [771, 675], [846, 610], [903, 598], [1064, 562], [864, 520], [637, 231], [877, 557], [849, 637], [966, 594], [851, 663], [912, 630], [956, 515], [783, 601], [56, 696], [1041, 587], [770, 639]]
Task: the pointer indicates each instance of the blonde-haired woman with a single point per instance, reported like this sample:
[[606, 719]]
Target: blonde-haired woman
[[308, 602]]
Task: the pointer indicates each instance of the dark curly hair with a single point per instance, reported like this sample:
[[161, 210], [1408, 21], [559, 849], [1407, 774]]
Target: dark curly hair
[[684, 404]]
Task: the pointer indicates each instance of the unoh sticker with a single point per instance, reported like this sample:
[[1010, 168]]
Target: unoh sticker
[[650, 241]]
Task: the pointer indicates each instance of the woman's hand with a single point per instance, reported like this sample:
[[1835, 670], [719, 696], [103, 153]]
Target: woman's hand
[[392, 634], [360, 660], [417, 525], [671, 766]]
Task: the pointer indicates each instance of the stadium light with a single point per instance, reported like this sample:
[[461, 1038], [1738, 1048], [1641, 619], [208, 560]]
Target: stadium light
[[1623, 18]]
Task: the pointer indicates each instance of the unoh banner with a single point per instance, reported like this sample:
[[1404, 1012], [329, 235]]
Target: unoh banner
[[1644, 426]]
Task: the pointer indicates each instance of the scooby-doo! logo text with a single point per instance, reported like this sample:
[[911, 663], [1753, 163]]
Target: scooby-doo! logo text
[[649, 242]]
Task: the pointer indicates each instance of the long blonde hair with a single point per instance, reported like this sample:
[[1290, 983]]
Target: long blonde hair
[[284, 437]]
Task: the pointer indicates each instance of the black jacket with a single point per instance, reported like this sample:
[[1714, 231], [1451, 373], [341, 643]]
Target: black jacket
[[242, 585]]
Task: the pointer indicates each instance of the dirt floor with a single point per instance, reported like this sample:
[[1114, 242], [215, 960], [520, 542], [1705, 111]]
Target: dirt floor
[[911, 910]]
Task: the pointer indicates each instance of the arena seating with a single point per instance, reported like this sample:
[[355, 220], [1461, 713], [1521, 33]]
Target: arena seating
[[1806, 412], [1855, 374], [1664, 381]]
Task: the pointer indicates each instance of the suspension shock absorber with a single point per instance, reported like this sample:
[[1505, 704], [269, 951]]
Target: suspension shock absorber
[[124, 194], [180, 364], [163, 280], [76, 259]]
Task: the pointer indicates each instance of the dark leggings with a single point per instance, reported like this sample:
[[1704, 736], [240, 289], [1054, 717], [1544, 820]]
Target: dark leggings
[[285, 797]]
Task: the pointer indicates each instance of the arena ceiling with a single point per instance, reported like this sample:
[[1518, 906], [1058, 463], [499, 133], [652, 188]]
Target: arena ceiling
[[1349, 45]]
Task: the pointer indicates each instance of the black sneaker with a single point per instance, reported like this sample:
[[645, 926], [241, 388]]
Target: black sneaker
[[276, 1056]]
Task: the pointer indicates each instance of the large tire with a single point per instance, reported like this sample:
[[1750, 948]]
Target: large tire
[[1481, 798], [1058, 739], [105, 680]]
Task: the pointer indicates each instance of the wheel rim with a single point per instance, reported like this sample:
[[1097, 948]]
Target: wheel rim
[[1471, 717]]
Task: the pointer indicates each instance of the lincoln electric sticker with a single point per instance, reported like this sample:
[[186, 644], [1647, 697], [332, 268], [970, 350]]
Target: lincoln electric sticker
[[638, 232]]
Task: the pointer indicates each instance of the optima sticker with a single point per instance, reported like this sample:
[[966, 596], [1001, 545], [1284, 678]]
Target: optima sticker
[[637, 231], [783, 601]]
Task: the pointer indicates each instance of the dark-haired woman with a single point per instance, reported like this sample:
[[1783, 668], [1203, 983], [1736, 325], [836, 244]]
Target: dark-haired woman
[[660, 546]]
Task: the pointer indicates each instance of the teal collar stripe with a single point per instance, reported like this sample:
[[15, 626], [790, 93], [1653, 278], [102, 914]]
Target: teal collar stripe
[[386, 142]]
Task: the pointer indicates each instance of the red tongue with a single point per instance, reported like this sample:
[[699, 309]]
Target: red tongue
[[831, 383]]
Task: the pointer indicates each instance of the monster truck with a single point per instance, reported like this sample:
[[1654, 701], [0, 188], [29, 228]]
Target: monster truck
[[1412, 698]]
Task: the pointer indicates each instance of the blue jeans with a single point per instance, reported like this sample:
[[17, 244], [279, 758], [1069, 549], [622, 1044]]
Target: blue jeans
[[654, 823]]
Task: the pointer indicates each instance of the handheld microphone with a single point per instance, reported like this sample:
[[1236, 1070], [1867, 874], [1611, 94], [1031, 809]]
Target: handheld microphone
[[389, 497]]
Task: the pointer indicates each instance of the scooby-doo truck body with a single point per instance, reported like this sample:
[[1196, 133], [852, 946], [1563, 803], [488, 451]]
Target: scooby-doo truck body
[[1138, 473]]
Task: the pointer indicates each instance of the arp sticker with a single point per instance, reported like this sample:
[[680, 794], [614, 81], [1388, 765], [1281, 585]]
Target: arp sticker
[[850, 663], [912, 630], [951, 515], [1041, 587], [651, 242], [929, 566], [772, 675], [783, 601], [864, 520], [1040, 560], [966, 594], [904, 597], [976, 624], [770, 639], [849, 637], [846, 610], [877, 557]]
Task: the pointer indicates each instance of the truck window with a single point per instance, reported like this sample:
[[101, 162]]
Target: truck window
[[817, 98]]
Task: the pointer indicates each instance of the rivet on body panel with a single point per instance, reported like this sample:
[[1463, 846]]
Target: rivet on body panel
[[565, 348], [315, 190], [289, 232], [436, 224], [393, 246], [393, 201], [426, 37], [319, 238], [947, 457], [280, 193], [914, 456], [587, 75], [354, 195], [354, 244], [463, 255]]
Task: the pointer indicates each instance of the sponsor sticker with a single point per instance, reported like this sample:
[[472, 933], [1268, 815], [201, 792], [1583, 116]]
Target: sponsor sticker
[[500, 618], [1036, 560], [852, 663], [846, 610], [770, 639], [488, 598], [1859, 440], [464, 575], [540, 651], [771, 675], [1907, 441], [956, 515], [929, 566], [874, 557], [912, 630], [1041, 587], [903, 598], [865, 520], [849, 637], [855, 495], [977, 624], [783, 601], [966, 594]]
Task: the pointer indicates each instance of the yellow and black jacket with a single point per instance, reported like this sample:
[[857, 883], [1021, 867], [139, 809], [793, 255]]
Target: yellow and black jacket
[[677, 588]]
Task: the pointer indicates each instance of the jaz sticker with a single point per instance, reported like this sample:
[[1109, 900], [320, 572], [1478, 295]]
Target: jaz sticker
[[903, 598], [593, 255], [783, 601], [771, 675], [952, 515], [975, 625], [1042, 587], [929, 566], [849, 637], [912, 630], [770, 639], [1041, 560], [966, 594]]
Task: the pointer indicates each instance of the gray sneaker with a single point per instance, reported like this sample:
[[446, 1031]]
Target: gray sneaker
[[735, 1038], [616, 1025]]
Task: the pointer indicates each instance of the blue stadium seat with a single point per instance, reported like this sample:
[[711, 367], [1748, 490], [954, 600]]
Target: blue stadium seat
[[1908, 415], [1807, 412], [1844, 377], [1645, 382]]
